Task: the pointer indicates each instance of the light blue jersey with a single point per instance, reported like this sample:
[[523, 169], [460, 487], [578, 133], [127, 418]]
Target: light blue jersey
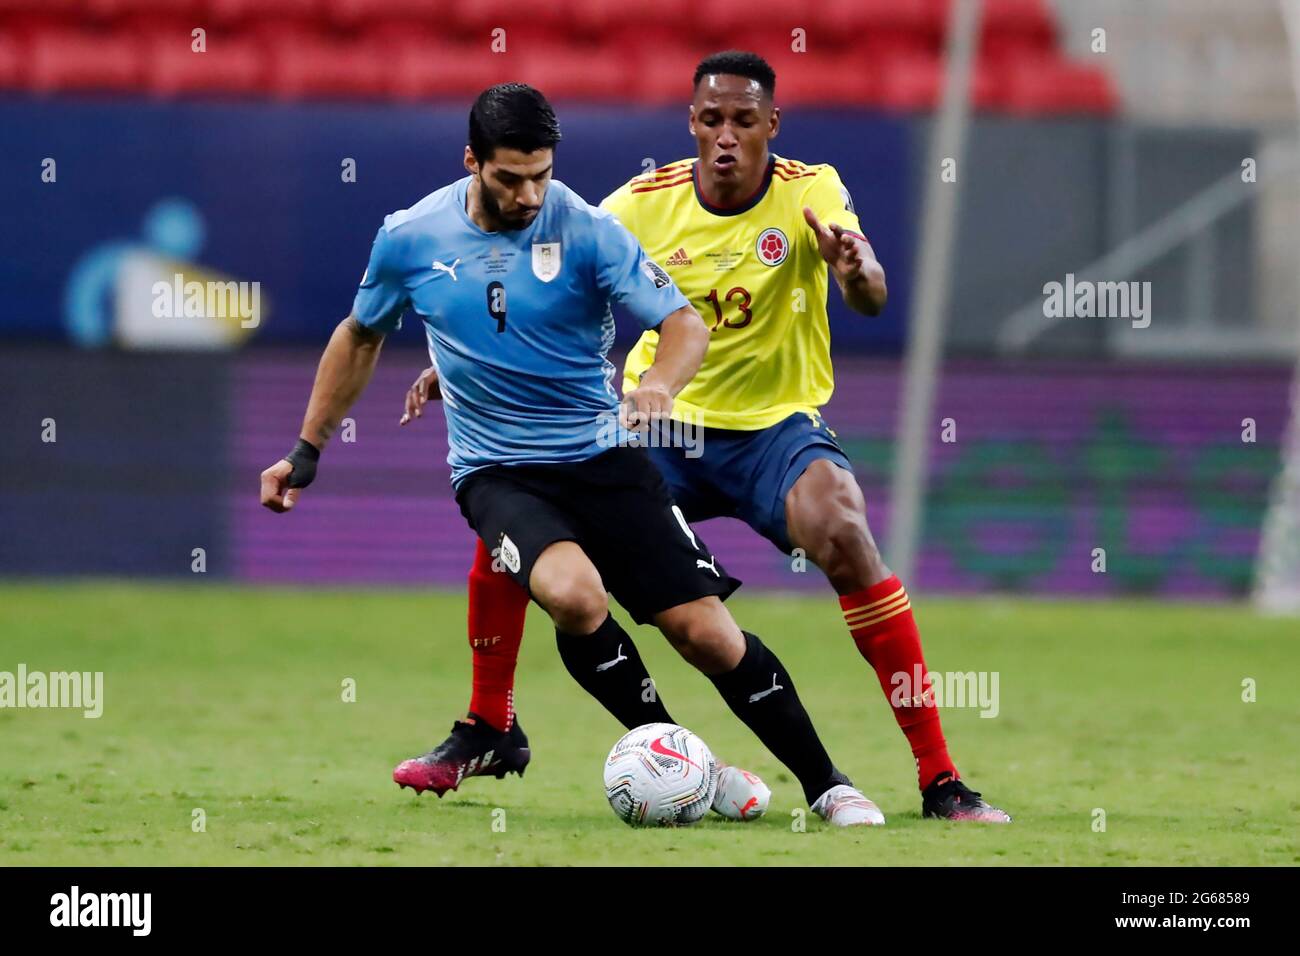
[[518, 322]]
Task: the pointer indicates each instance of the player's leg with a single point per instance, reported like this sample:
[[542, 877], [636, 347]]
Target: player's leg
[[497, 608], [595, 649], [600, 655], [759, 690], [521, 526], [825, 515], [672, 580]]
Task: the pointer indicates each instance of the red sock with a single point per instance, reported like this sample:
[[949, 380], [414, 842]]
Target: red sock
[[497, 606], [880, 620]]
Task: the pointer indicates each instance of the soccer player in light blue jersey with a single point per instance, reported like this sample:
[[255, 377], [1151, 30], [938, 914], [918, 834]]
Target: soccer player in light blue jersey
[[513, 276]]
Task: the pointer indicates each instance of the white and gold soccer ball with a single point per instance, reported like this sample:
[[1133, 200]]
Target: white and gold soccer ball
[[660, 775]]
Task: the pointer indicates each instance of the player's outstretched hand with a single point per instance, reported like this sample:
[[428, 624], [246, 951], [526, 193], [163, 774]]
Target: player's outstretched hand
[[643, 404], [425, 388], [840, 250]]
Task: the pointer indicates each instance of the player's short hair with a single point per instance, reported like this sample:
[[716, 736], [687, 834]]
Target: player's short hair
[[738, 63], [513, 115]]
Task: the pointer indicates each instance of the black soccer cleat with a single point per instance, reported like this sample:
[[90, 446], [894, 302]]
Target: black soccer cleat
[[947, 798], [474, 749]]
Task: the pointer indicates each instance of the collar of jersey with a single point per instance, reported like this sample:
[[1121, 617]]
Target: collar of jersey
[[745, 206], [462, 190]]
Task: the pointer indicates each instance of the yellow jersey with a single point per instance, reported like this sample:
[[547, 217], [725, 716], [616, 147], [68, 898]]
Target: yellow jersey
[[755, 274]]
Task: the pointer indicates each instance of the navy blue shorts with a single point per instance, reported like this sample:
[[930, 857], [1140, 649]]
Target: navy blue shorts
[[747, 474]]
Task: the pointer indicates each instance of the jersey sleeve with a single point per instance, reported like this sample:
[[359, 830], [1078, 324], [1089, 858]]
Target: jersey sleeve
[[831, 202], [381, 298], [626, 275]]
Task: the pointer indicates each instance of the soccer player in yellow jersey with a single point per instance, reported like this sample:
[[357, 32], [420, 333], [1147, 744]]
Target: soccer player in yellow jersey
[[751, 238]]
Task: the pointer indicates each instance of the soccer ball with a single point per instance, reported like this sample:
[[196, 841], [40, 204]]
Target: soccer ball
[[660, 775]]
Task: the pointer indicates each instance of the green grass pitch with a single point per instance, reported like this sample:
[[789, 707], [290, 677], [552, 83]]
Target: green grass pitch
[[230, 701]]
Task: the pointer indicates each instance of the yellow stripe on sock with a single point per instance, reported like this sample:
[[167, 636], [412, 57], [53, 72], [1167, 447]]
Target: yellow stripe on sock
[[858, 613], [884, 600], [881, 616]]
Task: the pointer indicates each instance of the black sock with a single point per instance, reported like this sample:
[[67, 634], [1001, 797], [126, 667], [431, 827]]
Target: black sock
[[608, 667], [777, 717]]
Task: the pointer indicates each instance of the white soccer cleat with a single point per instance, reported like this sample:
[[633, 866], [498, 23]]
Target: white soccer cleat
[[741, 795], [845, 806]]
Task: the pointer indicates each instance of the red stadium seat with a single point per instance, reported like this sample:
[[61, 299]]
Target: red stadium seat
[[831, 79], [22, 19], [613, 23], [134, 9], [428, 70], [50, 8], [250, 11], [1016, 28], [663, 77], [858, 52], [1029, 17], [231, 65], [363, 14], [1048, 85], [78, 60], [479, 17], [10, 63], [577, 73], [910, 83], [865, 26], [311, 67]]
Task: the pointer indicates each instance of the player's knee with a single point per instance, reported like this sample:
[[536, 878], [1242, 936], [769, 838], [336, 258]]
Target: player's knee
[[845, 533], [836, 534], [577, 607], [573, 595], [704, 633]]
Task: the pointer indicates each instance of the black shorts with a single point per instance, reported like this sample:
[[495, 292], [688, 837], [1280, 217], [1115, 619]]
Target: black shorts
[[616, 507]]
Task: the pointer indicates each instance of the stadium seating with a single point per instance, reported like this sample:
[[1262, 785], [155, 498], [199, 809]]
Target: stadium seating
[[885, 54]]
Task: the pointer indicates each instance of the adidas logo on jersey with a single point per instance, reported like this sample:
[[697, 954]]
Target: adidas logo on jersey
[[678, 258]]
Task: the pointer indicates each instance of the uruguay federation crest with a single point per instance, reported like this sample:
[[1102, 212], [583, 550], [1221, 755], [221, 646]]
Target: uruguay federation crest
[[546, 260]]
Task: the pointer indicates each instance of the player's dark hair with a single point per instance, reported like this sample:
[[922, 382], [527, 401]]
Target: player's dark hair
[[738, 63], [513, 115]]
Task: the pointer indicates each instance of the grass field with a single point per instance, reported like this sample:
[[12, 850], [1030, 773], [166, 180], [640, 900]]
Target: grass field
[[230, 701]]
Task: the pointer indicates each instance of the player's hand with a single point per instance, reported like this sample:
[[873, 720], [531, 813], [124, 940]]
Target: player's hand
[[284, 481], [276, 493], [841, 250], [643, 404], [425, 388]]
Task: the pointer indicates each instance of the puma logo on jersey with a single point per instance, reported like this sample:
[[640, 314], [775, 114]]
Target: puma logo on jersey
[[608, 664], [711, 564], [755, 698], [449, 269], [678, 258]]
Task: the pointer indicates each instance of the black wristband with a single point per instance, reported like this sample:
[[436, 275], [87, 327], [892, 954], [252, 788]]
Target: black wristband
[[303, 458]]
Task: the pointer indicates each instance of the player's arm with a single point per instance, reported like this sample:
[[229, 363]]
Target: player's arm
[[853, 263], [683, 340], [344, 371], [829, 214]]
